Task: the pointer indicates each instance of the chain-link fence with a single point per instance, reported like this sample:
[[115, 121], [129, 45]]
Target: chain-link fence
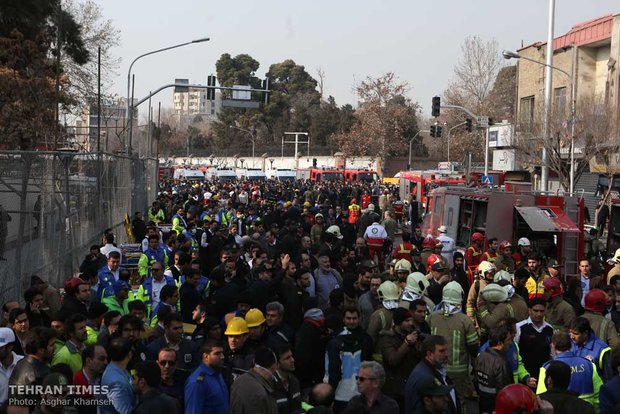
[[55, 205]]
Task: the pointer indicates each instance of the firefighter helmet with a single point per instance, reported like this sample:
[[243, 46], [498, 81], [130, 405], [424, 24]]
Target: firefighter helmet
[[254, 317], [432, 259], [477, 236], [403, 265], [595, 300], [429, 243], [502, 275], [494, 293], [485, 267], [553, 286], [388, 291], [516, 398], [417, 283], [615, 259], [453, 294], [504, 244], [237, 326], [334, 230], [524, 241]]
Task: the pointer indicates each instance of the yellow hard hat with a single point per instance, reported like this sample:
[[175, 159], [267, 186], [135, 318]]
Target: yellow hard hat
[[254, 317], [236, 326]]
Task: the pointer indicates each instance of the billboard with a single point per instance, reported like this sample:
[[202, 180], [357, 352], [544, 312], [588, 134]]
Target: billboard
[[504, 160], [500, 135]]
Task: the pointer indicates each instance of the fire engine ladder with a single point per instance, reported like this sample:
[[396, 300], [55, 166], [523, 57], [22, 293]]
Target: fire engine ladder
[[571, 240]]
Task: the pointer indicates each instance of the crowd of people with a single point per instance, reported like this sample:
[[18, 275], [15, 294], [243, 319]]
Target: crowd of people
[[293, 297]]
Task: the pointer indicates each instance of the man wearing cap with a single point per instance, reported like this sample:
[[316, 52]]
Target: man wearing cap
[[310, 349], [119, 301], [504, 259], [316, 231], [448, 245], [8, 360], [401, 350], [434, 396], [77, 296]]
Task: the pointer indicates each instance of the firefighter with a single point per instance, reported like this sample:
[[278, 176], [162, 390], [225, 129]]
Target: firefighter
[[492, 250], [366, 199], [375, 237], [604, 329], [523, 250], [517, 305], [559, 313], [534, 284], [403, 250], [428, 248], [460, 332], [402, 268], [381, 319], [354, 211], [416, 287], [473, 254], [398, 207], [492, 308], [504, 260], [486, 271]]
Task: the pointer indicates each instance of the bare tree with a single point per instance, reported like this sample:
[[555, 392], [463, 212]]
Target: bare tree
[[479, 86], [320, 73], [97, 32], [596, 138]]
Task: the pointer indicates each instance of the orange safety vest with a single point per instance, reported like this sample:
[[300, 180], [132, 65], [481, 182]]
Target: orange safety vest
[[354, 213], [403, 251], [366, 199]]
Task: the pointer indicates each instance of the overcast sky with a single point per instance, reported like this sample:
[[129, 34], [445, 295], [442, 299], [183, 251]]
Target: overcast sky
[[419, 40]]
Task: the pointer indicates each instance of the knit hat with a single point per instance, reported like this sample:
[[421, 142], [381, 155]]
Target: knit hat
[[458, 255], [210, 322], [315, 314], [399, 315]]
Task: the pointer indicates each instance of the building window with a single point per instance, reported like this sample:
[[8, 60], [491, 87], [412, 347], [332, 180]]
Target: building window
[[526, 112], [559, 101]]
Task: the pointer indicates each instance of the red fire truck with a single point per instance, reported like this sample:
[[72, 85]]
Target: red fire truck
[[354, 175], [320, 174], [421, 183], [553, 224]]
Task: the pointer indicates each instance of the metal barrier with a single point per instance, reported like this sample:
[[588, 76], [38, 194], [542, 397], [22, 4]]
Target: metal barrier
[[55, 205]]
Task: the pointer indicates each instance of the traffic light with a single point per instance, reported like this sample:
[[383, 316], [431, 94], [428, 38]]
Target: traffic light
[[267, 92], [468, 125], [433, 131], [435, 108], [438, 129], [314, 162], [491, 121], [211, 91]]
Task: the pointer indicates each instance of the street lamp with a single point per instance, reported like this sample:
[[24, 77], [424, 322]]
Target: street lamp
[[513, 55], [253, 139], [411, 143], [129, 107]]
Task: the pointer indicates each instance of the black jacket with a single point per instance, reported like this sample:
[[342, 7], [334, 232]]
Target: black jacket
[[72, 306], [156, 402], [492, 373], [29, 371], [567, 402], [310, 354]]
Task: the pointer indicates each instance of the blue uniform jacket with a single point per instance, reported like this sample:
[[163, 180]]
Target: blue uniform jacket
[[120, 392], [206, 392], [596, 351], [106, 279]]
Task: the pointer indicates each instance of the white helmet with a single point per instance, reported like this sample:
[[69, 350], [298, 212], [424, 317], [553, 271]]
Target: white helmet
[[494, 293], [417, 283], [403, 265], [524, 241], [485, 267], [335, 230], [388, 291], [502, 275], [453, 294]]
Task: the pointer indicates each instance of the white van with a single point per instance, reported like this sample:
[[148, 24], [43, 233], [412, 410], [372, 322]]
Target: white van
[[185, 174]]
